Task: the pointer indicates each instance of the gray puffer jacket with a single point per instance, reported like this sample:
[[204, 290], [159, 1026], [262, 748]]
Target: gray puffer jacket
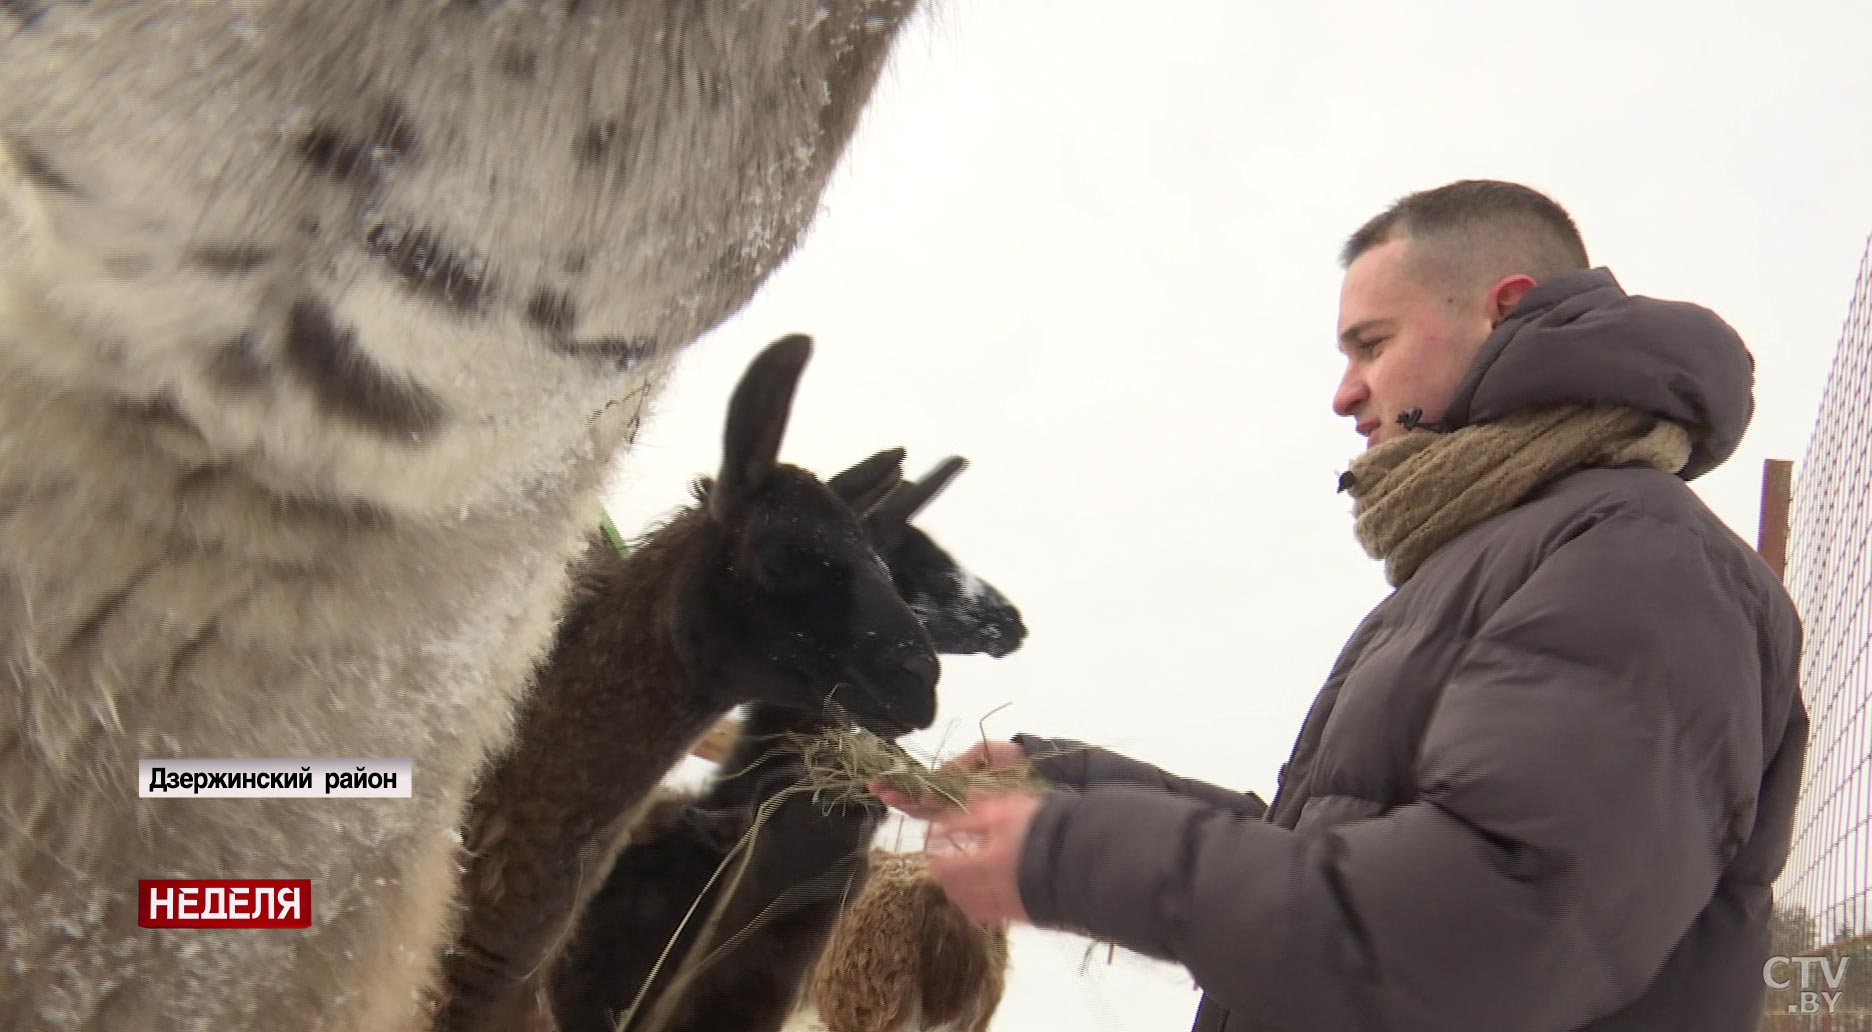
[[1548, 783]]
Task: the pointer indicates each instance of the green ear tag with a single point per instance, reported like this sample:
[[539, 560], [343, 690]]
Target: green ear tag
[[611, 531]]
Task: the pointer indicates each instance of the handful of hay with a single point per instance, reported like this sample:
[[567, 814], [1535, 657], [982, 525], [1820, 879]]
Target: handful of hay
[[843, 763]]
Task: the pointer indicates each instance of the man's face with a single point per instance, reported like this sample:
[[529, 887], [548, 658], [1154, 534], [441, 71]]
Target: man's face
[[1407, 344]]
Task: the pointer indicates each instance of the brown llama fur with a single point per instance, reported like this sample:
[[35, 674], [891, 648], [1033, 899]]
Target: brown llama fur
[[543, 826], [903, 956], [321, 324]]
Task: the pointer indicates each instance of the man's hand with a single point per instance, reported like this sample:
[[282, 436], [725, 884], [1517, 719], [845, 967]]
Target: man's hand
[[989, 756], [980, 756], [975, 855], [975, 851]]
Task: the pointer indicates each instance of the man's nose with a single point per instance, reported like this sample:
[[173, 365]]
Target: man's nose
[[1350, 395]]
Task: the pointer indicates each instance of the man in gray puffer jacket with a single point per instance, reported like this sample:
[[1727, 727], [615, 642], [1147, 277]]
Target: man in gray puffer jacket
[[1551, 779]]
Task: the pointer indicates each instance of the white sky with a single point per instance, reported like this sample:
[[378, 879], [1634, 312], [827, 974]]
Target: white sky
[[1091, 248]]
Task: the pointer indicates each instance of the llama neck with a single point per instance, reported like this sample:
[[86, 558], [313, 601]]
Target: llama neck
[[155, 607], [613, 678], [613, 710]]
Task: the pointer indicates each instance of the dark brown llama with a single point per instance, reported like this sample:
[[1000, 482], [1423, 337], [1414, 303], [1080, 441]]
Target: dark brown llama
[[803, 865], [767, 589]]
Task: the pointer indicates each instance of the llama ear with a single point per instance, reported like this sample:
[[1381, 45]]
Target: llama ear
[[864, 485], [887, 521], [757, 419]]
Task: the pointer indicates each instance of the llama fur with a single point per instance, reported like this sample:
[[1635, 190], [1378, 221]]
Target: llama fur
[[903, 956], [321, 323]]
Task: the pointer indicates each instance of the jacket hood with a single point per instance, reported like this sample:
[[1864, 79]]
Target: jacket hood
[[1580, 339]]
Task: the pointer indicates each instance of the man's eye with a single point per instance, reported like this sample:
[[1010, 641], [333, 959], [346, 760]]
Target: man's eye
[[1372, 344]]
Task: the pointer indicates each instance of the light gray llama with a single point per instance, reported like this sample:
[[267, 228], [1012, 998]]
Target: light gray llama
[[320, 324]]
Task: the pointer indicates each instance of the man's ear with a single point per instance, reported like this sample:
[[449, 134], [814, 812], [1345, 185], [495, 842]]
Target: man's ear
[[1506, 294]]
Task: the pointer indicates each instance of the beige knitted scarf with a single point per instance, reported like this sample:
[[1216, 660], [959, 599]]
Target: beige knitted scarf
[[1413, 494]]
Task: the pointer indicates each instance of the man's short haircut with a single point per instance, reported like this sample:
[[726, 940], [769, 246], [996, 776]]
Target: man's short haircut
[[1469, 234]]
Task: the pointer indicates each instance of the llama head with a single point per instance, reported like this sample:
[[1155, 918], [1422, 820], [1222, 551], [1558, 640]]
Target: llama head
[[790, 604], [963, 613]]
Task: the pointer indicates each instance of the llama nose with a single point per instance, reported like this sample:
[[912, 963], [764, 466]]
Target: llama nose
[[921, 665]]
